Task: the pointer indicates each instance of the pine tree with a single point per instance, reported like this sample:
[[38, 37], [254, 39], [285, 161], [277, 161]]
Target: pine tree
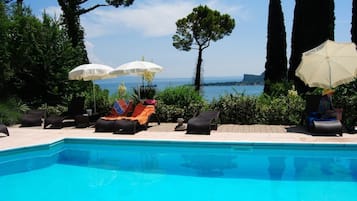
[[72, 9]]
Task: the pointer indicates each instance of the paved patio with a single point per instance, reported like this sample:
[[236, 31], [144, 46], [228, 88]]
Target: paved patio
[[23, 137]]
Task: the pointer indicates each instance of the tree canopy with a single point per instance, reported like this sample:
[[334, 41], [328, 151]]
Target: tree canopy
[[198, 29], [36, 56], [72, 9]]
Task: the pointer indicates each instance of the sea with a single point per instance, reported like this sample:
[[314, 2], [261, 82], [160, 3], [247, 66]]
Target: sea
[[209, 92]]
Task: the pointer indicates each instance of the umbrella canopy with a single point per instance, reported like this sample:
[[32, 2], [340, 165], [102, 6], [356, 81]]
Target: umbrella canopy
[[89, 72], [136, 68], [328, 65]]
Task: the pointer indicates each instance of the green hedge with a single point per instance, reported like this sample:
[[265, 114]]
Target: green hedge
[[234, 108], [11, 111], [179, 102]]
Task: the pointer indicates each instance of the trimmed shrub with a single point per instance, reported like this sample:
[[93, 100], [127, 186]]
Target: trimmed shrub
[[11, 110], [345, 97], [179, 102], [280, 110], [236, 108]]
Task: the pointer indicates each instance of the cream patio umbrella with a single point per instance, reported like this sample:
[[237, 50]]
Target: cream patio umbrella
[[90, 72], [328, 65], [136, 68]]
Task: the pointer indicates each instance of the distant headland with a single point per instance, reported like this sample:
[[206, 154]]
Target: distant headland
[[248, 79]]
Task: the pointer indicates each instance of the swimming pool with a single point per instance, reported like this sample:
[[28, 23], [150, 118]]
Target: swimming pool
[[112, 170]]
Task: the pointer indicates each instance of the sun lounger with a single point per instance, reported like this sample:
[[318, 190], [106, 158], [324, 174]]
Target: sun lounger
[[3, 129], [108, 123], [54, 121], [203, 123], [138, 121], [317, 125], [75, 107], [122, 124], [32, 118], [327, 127]]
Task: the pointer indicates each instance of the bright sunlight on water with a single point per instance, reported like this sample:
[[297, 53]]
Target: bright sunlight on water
[[107, 171]]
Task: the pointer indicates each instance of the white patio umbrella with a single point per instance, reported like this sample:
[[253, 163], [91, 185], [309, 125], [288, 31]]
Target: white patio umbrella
[[136, 68], [90, 72], [328, 65]]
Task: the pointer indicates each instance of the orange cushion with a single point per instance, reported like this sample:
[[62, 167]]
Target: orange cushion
[[138, 109]]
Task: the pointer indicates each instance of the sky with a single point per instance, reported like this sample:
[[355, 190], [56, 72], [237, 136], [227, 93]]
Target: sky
[[144, 30]]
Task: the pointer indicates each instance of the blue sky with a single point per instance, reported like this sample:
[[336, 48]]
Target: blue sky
[[118, 35]]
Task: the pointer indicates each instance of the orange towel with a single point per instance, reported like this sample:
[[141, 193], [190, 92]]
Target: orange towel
[[141, 114], [143, 117]]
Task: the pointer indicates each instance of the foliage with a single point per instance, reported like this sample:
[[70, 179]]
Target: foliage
[[180, 96], [117, 3], [313, 24], [170, 113], [276, 60], [198, 29], [278, 88], [284, 110], [11, 111], [147, 92], [345, 97], [180, 101], [72, 9], [236, 108], [36, 57], [354, 22], [53, 109], [5, 70], [103, 103]]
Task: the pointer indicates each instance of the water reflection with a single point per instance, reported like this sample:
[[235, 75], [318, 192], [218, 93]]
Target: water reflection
[[320, 169], [276, 167], [353, 168], [209, 165]]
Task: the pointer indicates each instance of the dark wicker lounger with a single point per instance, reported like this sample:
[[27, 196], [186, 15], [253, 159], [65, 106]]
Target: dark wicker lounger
[[123, 126], [3, 129], [106, 125], [32, 118], [330, 127], [203, 123]]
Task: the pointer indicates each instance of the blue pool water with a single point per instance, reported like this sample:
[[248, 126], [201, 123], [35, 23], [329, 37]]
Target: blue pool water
[[105, 170]]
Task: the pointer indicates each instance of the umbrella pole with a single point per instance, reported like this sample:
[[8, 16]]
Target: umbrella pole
[[329, 70], [94, 105]]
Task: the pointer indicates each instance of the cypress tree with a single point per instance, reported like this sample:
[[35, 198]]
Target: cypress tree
[[313, 24], [354, 21], [276, 60]]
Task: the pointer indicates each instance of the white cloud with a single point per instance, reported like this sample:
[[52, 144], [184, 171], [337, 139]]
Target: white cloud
[[53, 11], [153, 18], [93, 58]]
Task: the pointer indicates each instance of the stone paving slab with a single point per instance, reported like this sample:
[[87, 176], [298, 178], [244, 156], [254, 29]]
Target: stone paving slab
[[30, 136]]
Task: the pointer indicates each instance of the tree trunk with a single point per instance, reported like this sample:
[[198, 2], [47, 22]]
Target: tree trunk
[[198, 70]]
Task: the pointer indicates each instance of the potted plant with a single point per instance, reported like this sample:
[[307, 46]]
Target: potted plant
[[148, 90]]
